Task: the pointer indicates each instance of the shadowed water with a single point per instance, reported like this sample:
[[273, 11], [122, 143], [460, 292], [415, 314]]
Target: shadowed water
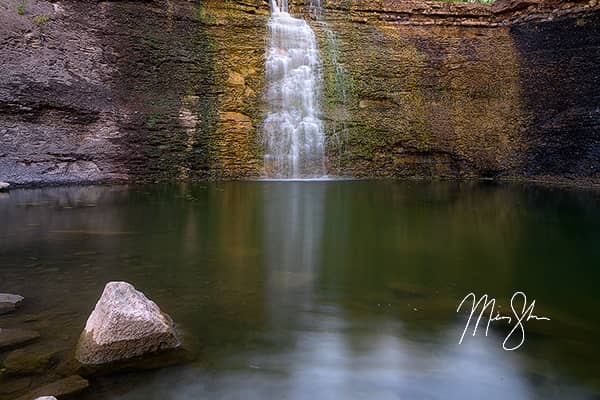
[[321, 289]]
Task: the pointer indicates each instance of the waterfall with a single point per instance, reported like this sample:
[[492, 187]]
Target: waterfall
[[292, 132], [315, 8]]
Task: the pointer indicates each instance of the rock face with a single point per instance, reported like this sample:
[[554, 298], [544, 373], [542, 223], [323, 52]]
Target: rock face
[[124, 325], [558, 60], [435, 89], [128, 90]]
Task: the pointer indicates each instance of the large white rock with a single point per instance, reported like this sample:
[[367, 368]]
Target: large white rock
[[4, 186], [124, 324]]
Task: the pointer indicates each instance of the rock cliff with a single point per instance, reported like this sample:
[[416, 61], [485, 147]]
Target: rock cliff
[[173, 89]]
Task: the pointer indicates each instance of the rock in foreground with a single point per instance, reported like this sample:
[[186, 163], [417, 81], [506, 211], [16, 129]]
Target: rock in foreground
[[11, 298], [10, 338], [9, 302], [124, 325], [63, 388], [27, 361]]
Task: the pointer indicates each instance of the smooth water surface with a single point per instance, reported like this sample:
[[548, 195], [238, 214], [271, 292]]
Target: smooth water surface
[[320, 290]]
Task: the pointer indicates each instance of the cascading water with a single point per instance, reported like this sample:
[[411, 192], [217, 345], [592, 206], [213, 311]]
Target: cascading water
[[315, 8], [293, 133]]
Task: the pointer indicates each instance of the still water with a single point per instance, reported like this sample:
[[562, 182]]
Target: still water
[[320, 290]]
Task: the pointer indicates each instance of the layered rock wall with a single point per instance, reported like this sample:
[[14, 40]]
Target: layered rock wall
[[463, 89], [173, 89], [130, 90]]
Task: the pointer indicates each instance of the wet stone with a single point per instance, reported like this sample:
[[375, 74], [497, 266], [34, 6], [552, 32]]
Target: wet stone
[[10, 338], [63, 388], [26, 362], [9, 302], [6, 308], [11, 386]]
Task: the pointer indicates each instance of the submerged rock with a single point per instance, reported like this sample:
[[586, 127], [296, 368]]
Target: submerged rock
[[10, 338], [124, 325], [11, 298], [26, 361], [6, 308], [9, 302], [13, 386], [65, 387]]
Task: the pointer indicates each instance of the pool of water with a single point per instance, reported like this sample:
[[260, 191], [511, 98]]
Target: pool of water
[[321, 289]]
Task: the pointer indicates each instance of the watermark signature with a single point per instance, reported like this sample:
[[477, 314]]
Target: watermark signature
[[521, 310]]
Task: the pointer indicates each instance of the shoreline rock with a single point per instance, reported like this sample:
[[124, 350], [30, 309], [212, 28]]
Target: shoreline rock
[[9, 302], [12, 387], [29, 362], [4, 186], [62, 388], [124, 325], [12, 338]]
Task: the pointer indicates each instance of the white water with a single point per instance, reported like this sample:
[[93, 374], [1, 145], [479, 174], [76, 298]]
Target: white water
[[293, 133]]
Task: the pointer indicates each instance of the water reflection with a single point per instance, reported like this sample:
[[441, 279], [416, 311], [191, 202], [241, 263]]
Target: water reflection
[[294, 218], [319, 289]]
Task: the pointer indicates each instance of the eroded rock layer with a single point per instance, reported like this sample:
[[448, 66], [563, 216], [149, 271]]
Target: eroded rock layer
[[173, 89]]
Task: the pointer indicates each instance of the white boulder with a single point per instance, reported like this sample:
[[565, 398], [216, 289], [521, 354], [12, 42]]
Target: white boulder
[[4, 186], [125, 324]]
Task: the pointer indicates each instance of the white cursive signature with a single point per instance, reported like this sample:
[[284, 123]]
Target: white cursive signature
[[520, 316]]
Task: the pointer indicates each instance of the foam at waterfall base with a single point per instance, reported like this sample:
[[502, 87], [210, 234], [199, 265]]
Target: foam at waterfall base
[[323, 178]]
